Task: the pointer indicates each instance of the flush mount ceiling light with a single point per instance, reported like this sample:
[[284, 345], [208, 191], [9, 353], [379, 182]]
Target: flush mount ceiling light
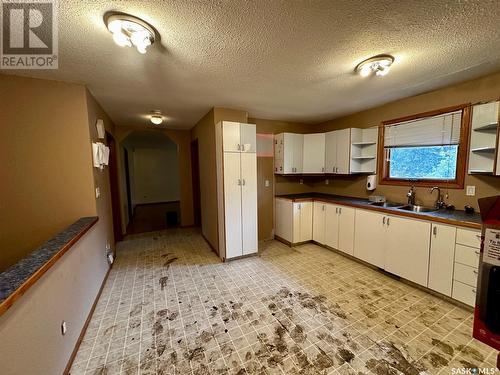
[[156, 117], [378, 65], [130, 31]]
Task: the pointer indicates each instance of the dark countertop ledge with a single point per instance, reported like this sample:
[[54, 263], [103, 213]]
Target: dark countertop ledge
[[15, 280], [452, 217]]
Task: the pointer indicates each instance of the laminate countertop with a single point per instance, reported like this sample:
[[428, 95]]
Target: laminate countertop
[[15, 280], [452, 217]]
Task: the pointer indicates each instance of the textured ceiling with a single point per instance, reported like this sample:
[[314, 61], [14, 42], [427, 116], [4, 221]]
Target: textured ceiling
[[289, 60]]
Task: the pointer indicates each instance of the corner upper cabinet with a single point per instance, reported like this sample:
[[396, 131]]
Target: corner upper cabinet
[[337, 154], [364, 150], [288, 153], [483, 152]]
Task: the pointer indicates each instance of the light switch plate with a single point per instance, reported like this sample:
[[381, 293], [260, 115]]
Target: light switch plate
[[301, 181], [266, 183], [97, 192], [327, 181], [471, 191]]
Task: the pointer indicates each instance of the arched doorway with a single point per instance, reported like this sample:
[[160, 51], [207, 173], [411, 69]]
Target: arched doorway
[[151, 181]]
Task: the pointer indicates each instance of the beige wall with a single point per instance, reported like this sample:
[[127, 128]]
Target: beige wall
[[101, 177], [32, 342], [482, 89], [46, 163], [49, 181], [204, 131], [183, 140]]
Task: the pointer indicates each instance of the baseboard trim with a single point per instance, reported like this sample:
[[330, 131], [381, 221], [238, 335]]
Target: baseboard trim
[[85, 326]]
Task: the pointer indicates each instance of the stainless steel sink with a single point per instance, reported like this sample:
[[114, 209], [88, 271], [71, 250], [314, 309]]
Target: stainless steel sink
[[386, 204], [415, 208]]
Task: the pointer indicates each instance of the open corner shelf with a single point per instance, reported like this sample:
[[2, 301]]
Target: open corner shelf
[[487, 127], [483, 149]]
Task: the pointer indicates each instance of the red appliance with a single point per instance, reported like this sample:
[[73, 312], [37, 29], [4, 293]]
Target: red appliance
[[487, 310]]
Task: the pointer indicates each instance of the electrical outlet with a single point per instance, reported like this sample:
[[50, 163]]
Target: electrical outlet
[[266, 183], [471, 191], [301, 181], [327, 181], [108, 246], [97, 192], [64, 328]]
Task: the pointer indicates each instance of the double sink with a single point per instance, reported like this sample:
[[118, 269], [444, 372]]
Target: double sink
[[404, 207]]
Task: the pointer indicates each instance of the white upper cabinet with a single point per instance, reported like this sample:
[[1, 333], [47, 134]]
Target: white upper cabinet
[[314, 153], [238, 137], [248, 140], [337, 151], [292, 150]]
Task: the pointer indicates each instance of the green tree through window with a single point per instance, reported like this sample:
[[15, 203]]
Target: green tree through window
[[423, 163]]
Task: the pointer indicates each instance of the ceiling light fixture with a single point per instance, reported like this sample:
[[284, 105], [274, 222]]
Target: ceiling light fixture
[[378, 65], [156, 117], [130, 31]]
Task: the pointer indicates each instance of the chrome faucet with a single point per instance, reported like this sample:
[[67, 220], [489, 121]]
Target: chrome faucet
[[439, 200], [411, 196]]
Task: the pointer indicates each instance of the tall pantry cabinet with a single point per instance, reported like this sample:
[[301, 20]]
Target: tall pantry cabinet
[[236, 160]]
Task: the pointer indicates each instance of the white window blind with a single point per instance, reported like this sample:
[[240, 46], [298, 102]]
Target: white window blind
[[437, 130]]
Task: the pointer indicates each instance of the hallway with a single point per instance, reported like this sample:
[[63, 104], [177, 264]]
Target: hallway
[[170, 306]]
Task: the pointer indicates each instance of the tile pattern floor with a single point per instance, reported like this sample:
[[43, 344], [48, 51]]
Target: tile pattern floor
[[170, 307]]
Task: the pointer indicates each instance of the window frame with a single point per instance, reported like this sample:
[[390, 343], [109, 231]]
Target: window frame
[[458, 182]]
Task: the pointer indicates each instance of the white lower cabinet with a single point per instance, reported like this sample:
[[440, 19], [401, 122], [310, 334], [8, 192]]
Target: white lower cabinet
[[283, 227], [302, 221], [396, 244], [466, 265], [319, 211], [442, 258], [370, 237], [333, 226], [293, 220], [407, 248]]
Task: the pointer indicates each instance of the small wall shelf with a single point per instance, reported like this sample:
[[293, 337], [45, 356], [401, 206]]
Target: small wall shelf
[[487, 127], [364, 150], [483, 139]]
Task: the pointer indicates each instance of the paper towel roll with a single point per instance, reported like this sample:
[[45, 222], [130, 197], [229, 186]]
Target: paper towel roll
[[371, 182]]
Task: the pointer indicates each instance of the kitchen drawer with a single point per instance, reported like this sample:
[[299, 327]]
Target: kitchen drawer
[[464, 293], [465, 274], [467, 255], [468, 237]]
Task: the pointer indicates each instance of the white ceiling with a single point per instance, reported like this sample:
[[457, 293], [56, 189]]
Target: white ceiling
[[289, 60]]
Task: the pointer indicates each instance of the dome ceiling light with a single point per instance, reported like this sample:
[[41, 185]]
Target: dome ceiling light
[[156, 117], [378, 65], [130, 31]]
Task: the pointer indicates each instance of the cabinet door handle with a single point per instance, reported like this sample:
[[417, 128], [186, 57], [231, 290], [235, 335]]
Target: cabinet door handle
[[242, 147], [474, 291], [323, 208], [477, 252], [243, 181], [475, 271], [434, 231], [479, 237], [340, 210], [336, 210], [383, 220], [238, 147], [239, 182], [387, 221], [333, 169], [299, 206]]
